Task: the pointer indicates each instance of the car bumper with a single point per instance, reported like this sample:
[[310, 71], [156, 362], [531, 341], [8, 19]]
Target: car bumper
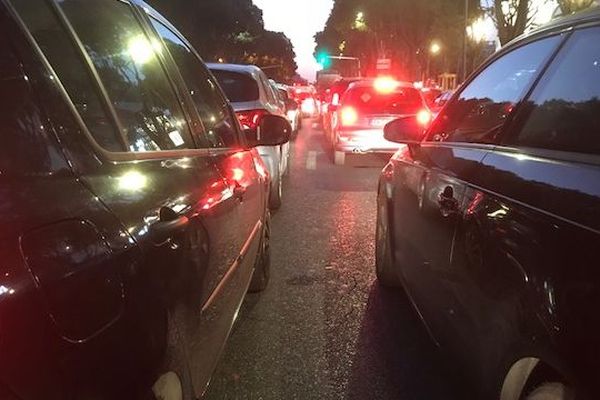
[[365, 141]]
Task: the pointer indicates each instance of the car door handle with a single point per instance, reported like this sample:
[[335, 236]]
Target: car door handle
[[162, 231]]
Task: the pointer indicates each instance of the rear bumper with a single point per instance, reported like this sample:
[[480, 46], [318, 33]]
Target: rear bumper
[[365, 141]]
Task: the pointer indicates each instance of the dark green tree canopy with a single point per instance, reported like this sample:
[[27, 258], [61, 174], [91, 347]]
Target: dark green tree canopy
[[232, 31], [402, 30]]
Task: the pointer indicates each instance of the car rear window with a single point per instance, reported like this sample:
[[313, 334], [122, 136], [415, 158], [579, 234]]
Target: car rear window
[[369, 101], [238, 87]]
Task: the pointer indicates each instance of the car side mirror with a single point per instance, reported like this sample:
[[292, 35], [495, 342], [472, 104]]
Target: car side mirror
[[406, 130], [272, 130]]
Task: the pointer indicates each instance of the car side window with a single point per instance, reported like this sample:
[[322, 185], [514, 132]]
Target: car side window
[[71, 70], [126, 61], [212, 107], [268, 90], [563, 112], [479, 112]]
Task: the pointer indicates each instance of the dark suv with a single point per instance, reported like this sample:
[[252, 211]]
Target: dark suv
[[491, 222], [133, 215]]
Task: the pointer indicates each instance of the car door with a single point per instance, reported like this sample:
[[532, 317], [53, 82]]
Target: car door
[[526, 251], [65, 255], [237, 165], [148, 168], [433, 177]]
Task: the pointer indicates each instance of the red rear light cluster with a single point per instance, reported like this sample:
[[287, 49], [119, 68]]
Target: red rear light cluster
[[348, 116], [424, 117], [250, 119]]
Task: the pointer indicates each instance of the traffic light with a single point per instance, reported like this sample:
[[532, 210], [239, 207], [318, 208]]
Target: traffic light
[[324, 60]]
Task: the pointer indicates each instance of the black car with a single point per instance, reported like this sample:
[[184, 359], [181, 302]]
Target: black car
[[133, 213], [490, 218]]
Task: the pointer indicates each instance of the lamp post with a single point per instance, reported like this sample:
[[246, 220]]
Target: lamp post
[[359, 22], [434, 50]]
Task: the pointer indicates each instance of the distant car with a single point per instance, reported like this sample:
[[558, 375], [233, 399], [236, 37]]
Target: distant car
[[292, 108], [365, 108], [490, 218], [134, 213], [307, 97], [430, 95], [252, 97], [331, 101], [441, 101]]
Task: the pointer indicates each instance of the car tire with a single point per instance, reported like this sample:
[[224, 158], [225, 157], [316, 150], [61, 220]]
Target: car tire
[[175, 383], [276, 193], [262, 267], [552, 391], [384, 262]]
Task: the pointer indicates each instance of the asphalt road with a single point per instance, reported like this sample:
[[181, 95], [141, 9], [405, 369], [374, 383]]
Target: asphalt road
[[324, 329]]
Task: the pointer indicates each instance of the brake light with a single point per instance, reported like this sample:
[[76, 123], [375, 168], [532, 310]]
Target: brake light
[[250, 119], [308, 106], [349, 116], [385, 84], [424, 117]]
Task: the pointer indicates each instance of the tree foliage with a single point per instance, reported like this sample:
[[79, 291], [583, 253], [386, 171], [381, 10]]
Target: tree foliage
[[232, 31], [573, 6], [402, 30]]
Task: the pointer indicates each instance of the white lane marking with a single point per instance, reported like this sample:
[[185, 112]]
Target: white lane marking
[[311, 160]]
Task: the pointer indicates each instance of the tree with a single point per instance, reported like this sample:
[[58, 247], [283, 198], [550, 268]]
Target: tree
[[274, 52], [572, 6], [402, 30], [512, 18], [231, 31]]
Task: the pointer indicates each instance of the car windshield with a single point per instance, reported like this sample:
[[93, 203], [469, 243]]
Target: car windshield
[[368, 100], [238, 87]]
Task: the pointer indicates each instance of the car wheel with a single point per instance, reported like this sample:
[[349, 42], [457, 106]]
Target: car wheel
[[384, 264], [175, 383], [276, 193], [262, 268], [552, 391]]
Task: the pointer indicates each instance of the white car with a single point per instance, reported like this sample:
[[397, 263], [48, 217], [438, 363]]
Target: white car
[[252, 96]]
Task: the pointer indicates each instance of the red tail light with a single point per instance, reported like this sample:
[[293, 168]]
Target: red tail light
[[250, 119], [348, 116], [424, 117]]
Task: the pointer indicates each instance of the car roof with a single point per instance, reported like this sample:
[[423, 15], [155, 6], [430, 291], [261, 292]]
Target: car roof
[[240, 68]]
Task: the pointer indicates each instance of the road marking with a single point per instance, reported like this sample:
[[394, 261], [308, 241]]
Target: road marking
[[311, 160]]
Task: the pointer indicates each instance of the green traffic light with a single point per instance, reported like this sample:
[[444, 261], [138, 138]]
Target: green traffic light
[[324, 60]]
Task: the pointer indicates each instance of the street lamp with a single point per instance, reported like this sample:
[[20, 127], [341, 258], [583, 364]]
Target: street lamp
[[359, 21], [434, 50]]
